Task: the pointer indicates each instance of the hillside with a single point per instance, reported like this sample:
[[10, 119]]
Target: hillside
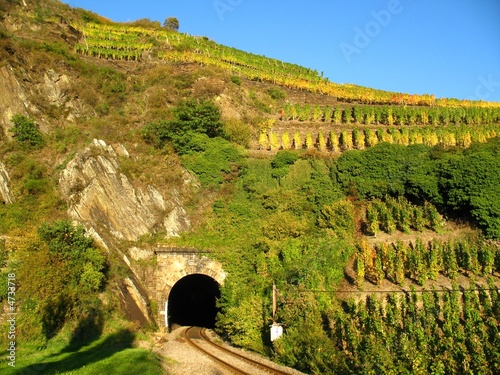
[[376, 214]]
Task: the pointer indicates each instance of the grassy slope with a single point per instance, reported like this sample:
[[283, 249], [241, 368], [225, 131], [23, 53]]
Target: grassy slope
[[114, 352]]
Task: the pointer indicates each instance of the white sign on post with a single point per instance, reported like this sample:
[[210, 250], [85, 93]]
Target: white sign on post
[[276, 331]]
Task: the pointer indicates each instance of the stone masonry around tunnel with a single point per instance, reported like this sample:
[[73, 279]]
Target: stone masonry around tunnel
[[180, 282]]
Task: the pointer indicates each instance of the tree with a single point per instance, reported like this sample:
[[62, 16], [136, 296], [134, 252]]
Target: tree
[[171, 23], [62, 273], [193, 119]]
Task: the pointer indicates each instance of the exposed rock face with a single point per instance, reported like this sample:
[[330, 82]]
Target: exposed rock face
[[55, 87], [99, 195], [20, 87], [13, 99], [4, 184]]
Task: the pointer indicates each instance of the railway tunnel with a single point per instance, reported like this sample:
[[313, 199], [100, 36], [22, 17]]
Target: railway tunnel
[[192, 301]]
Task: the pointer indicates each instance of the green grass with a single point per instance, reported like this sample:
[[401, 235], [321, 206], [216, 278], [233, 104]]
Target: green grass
[[112, 353]]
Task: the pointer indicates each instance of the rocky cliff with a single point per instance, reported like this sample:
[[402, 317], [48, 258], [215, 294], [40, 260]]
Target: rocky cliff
[[13, 99], [31, 94], [102, 197], [4, 185]]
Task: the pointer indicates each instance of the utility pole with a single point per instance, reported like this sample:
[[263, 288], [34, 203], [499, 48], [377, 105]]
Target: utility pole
[[274, 303], [276, 329]]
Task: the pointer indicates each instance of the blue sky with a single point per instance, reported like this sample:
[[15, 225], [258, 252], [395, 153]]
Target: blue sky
[[450, 48]]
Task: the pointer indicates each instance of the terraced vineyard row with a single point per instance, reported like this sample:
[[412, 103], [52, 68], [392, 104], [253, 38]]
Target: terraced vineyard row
[[101, 40], [107, 42], [391, 214], [421, 261], [358, 139], [390, 115]]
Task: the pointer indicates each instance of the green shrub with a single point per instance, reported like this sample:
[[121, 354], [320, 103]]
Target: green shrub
[[60, 274], [199, 116], [212, 160], [236, 80], [283, 159], [26, 132], [238, 132], [57, 48], [281, 163], [192, 119], [338, 216], [276, 93], [469, 183], [243, 322]]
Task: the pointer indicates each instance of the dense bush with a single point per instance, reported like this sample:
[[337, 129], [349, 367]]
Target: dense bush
[[26, 132], [459, 182], [213, 160], [191, 117], [238, 132], [276, 93], [470, 181], [196, 133], [60, 276], [281, 162], [389, 169], [338, 216]]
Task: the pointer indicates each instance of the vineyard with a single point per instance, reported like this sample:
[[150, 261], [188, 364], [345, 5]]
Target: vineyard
[[391, 115], [421, 261], [107, 42], [126, 42], [453, 331], [336, 140], [400, 214], [442, 330]]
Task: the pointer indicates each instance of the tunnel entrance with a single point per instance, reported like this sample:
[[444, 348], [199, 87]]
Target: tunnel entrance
[[192, 302]]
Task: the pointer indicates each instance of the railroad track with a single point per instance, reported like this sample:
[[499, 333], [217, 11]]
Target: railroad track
[[234, 362]]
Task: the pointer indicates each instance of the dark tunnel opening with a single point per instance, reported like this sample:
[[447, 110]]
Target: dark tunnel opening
[[192, 302]]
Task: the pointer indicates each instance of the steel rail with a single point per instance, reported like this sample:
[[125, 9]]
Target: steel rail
[[227, 365], [203, 335]]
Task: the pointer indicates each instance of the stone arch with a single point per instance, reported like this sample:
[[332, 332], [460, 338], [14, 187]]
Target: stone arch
[[178, 266]]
